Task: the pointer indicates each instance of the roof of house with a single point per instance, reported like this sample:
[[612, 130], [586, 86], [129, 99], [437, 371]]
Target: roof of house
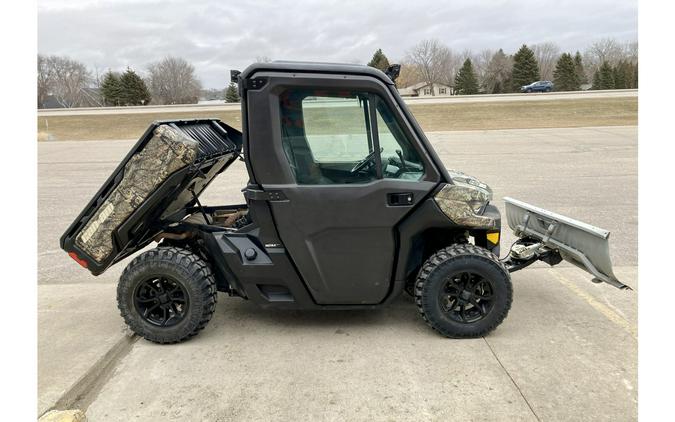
[[421, 85], [412, 89]]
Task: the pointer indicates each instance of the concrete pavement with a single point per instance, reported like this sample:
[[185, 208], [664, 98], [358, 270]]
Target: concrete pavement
[[77, 327], [567, 351], [552, 359]]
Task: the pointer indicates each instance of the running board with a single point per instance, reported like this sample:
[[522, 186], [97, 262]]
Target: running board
[[550, 237]]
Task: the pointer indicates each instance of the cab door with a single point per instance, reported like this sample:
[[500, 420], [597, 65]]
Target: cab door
[[354, 175]]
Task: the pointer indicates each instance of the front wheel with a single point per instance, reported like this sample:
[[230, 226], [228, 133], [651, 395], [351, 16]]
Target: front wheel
[[167, 295], [463, 291]]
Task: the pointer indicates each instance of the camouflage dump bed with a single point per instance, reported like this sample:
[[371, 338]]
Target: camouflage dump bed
[[163, 174]]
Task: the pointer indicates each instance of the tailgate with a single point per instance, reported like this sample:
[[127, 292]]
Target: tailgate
[[164, 173]]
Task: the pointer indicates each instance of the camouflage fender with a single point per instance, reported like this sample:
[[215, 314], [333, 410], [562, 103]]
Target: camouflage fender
[[458, 202], [166, 152]]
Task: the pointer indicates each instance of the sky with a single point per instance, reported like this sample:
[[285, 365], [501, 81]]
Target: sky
[[219, 35]]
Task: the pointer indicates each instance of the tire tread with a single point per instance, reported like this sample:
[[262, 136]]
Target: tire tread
[[454, 252], [196, 270]]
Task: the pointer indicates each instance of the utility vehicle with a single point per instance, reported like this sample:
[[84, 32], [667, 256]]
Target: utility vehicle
[[347, 205]]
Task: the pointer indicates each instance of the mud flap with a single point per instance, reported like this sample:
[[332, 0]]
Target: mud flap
[[549, 234]]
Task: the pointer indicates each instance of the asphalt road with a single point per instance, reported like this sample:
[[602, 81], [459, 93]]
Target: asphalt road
[[574, 95], [567, 351]]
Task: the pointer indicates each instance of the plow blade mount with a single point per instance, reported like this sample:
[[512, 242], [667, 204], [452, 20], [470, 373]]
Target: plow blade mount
[[579, 243]]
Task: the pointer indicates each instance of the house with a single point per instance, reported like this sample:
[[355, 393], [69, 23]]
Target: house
[[88, 97], [423, 89]]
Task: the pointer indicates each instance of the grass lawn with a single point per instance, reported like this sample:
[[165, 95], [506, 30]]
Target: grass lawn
[[432, 117]]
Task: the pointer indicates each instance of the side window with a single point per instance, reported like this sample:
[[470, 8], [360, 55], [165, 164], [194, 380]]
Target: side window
[[336, 128], [399, 158], [325, 135], [328, 137]]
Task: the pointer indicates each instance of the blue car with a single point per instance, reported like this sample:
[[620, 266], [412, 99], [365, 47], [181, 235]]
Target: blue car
[[539, 86]]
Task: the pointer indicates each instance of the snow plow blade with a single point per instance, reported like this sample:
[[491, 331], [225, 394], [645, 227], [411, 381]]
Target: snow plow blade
[[579, 243]]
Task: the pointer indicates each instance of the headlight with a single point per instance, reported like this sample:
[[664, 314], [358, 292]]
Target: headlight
[[464, 201], [478, 206]]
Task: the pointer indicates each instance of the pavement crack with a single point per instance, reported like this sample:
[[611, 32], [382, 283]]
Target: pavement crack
[[83, 392], [512, 380]]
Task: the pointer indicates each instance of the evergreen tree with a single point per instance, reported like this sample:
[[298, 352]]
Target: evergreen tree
[[623, 75], [606, 78], [111, 89], [630, 75], [232, 93], [525, 68], [134, 90], [379, 60], [565, 74], [635, 76], [619, 76], [596, 80], [466, 82], [581, 72]]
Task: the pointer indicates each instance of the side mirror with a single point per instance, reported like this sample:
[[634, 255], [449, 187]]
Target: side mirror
[[234, 76], [393, 71]]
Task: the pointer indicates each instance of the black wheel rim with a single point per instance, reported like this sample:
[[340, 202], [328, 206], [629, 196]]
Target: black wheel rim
[[466, 297], [161, 301]]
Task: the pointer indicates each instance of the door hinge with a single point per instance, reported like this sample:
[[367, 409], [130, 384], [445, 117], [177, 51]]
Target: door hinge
[[253, 84], [264, 195]]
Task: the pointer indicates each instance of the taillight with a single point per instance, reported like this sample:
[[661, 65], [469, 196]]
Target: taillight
[[77, 259]]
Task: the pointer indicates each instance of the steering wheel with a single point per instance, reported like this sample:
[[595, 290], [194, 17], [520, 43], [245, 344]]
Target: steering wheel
[[365, 162]]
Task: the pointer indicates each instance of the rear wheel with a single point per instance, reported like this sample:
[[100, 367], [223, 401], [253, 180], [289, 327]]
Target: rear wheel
[[463, 291], [167, 295]]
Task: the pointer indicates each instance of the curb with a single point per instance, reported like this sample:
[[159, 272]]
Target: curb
[[63, 416]]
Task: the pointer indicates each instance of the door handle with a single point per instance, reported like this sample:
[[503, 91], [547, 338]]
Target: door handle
[[400, 199]]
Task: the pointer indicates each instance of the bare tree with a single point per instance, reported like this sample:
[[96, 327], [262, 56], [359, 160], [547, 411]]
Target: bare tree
[[262, 59], [615, 54], [498, 73], [172, 80], [45, 79], [481, 61], [547, 55], [433, 60], [65, 79], [630, 52], [604, 50], [465, 54], [410, 75], [98, 77], [452, 65], [70, 80]]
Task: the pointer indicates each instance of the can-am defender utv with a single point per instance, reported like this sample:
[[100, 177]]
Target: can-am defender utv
[[347, 205]]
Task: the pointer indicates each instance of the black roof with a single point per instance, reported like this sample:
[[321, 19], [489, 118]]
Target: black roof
[[316, 67]]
